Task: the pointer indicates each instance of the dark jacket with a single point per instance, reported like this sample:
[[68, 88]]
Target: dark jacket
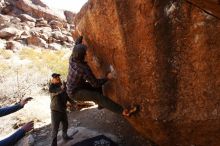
[[79, 75], [11, 140], [59, 97]]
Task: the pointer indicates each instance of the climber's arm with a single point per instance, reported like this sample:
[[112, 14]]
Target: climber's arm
[[89, 76]]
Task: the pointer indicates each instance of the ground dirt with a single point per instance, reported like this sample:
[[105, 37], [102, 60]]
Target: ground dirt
[[102, 121]]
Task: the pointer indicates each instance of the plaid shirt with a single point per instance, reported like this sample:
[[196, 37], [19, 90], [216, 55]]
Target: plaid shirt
[[79, 73]]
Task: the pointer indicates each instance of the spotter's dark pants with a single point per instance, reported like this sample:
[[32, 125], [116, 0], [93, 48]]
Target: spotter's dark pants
[[56, 119]]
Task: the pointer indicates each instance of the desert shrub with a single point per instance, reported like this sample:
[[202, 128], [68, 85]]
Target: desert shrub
[[44, 60], [19, 82], [31, 73], [4, 66]]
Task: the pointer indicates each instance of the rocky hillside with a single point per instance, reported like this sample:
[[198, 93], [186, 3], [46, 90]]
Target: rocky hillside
[[34, 42], [31, 22], [165, 56]]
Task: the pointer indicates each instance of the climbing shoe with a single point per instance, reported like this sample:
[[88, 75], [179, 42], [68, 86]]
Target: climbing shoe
[[131, 111]]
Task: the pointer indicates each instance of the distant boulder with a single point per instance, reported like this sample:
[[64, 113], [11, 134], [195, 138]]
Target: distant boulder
[[70, 39], [41, 23], [59, 36], [8, 33], [36, 41], [13, 45], [26, 17], [7, 9], [15, 20], [24, 35], [34, 33], [30, 24], [37, 9], [40, 3], [55, 24], [4, 19], [44, 37], [69, 16]]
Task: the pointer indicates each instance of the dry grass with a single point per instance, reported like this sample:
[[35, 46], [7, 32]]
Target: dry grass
[[56, 61], [28, 71], [6, 54]]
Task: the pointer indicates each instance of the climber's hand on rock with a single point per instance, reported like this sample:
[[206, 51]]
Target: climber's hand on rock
[[28, 126], [25, 101], [110, 75]]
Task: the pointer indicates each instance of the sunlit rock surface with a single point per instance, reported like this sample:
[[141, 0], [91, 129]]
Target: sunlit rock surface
[[166, 57]]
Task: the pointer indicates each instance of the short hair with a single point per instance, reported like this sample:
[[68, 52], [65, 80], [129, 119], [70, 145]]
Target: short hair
[[55, 75]]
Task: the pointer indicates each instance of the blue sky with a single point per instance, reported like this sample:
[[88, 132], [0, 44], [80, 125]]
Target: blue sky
[[73, 5]]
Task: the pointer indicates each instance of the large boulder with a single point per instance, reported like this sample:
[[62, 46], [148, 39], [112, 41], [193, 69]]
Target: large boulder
[[165, 56]]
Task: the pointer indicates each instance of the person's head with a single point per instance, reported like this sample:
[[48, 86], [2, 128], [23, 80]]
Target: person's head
[[56, 78], [79, 52]]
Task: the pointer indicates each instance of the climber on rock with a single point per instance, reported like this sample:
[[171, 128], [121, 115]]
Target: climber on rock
[[58, 107], [14, 138], [82, 85]]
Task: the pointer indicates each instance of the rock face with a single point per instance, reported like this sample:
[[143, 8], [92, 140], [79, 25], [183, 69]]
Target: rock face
[[38, 10], [20, 24], [69, 16], [166, 58]]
